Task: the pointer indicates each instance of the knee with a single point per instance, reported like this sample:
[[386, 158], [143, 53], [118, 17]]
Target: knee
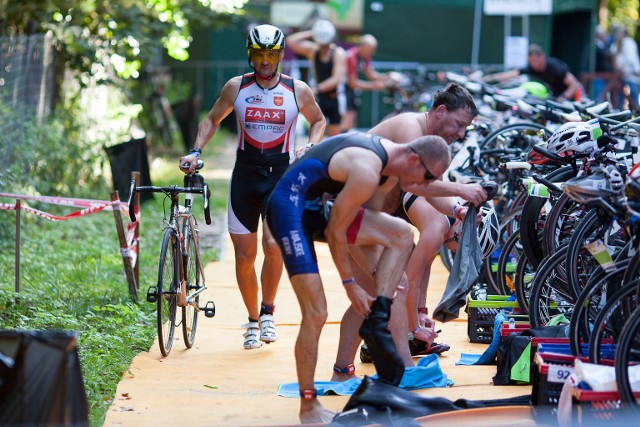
[[315, 318], [245, 255], [403, 238]]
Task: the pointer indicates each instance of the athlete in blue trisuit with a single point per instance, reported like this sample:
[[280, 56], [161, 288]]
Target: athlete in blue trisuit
[[266, 104], [347, 169]]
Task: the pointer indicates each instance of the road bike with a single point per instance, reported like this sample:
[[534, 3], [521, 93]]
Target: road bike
[[180, 273]]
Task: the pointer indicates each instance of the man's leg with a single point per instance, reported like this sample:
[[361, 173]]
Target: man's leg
[[396, 238], [269, 278], [433, 226], [313, 305], [245, 247]]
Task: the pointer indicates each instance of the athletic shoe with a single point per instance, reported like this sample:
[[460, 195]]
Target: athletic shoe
[[419, 348], [251, 336], [267, 329], [365, 356]]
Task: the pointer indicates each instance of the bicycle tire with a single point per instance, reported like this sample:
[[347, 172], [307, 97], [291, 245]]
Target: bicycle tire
[[560, 224], [580, 263], [168, 278], [551, 295], [514, 134], [447, 256], [588, 303], [532, 219], [525, 273], [191, 262], [611, 318], [505, 279], [628, 352]]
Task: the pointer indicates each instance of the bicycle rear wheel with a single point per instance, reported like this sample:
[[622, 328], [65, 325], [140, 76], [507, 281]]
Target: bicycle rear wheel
[[191, 260], [628, 353], [168, 278]]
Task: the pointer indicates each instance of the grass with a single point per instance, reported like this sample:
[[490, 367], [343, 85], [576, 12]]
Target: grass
[[72, 279]]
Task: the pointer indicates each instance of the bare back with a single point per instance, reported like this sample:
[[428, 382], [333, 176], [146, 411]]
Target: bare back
[[402, 128]]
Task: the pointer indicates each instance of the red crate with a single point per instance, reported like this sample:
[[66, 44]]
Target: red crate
[[550, 374], [595, 406]]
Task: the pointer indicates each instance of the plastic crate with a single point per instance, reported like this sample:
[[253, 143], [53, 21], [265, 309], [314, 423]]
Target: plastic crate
[[599, 407], [550, 372], [482, 315]]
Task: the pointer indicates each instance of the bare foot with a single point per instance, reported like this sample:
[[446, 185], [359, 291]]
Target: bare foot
[[314, 412], [342, 377]]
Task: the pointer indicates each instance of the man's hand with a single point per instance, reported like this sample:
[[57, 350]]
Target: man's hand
[[472, 193], [427, 335], [303, 150], [191, 160], [360, 299]]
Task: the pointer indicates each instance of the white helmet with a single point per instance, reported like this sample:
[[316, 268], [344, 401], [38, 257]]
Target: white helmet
[[600, 182], [488, 231], [323, 32], [573, 138], [265, 37]]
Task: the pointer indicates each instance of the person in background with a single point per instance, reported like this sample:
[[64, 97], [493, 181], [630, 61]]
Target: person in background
[[266, 104], [362, 76], [329, 69], [627, 63], [549, 70]]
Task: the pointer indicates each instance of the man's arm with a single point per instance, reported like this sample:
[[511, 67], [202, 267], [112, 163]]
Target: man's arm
[[311, 111], [572, 86], [209, 126], [301, 44], [473, 193]]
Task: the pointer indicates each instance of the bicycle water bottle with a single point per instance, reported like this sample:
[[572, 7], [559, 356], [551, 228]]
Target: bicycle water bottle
[[512, 323]]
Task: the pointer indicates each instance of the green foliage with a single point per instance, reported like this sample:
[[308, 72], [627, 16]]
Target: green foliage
[[624, 12], [49, 157], [118, 35]]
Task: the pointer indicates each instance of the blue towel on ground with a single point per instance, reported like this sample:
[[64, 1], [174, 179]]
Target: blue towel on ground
[[426, 374], [489, 355]]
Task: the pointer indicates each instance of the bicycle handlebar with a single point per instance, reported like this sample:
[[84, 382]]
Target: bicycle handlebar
[[170, 190]]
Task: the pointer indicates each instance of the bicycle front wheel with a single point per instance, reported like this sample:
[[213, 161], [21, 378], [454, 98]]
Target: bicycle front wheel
[[191, 260], [168, 278]]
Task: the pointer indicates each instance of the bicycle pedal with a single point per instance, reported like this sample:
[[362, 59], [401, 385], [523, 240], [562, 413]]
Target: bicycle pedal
[[209, 309], [152, 294]]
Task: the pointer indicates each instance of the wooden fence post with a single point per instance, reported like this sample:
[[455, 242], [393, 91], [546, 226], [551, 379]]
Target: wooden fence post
[[124, 246], [18, 244], [135, 176]]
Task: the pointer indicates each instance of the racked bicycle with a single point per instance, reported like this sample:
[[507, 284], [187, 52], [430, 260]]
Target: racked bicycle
[[180, 273]]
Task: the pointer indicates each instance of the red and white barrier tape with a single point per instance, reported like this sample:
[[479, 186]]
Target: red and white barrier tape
[[92, 206]]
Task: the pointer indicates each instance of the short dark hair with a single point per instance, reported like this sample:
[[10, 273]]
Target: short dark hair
[[535, 49], [455, 97]]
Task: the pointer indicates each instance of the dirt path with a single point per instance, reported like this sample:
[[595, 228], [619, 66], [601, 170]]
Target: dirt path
[[218, 383]]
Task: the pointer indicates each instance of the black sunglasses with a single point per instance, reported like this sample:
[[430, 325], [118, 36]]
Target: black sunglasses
[[428, 176]]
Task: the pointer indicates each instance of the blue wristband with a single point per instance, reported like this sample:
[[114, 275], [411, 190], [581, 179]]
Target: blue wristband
[[349, 281]]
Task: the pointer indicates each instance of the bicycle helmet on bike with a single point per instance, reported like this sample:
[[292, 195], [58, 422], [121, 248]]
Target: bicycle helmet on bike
[[601, 182], [488, 230], [574, 138], [323, 32], [265, 37], [535, 158]]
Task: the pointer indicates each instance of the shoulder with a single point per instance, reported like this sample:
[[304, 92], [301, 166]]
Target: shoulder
[[401, 128]]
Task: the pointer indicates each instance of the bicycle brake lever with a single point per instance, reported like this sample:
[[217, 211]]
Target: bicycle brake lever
[[132, 213], [207, 209]]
